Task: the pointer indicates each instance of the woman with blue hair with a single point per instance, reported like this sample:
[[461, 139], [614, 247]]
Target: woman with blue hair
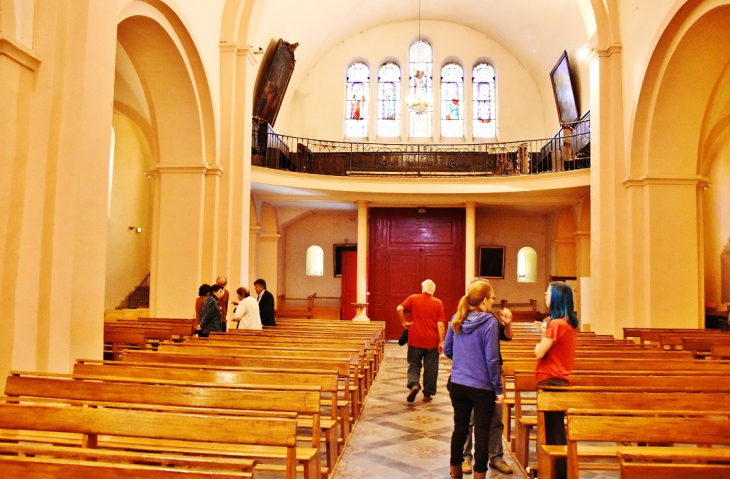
[[555, 357]]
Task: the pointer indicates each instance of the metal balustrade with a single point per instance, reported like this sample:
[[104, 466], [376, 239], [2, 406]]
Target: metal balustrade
[[567, 150]]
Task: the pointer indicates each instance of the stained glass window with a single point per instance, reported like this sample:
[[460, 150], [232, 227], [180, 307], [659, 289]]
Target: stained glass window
[[420, 86], [357, 102], [452, 101], [389, 101], [484, 99]]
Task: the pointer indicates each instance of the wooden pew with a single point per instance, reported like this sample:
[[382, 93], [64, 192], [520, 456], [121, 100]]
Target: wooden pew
[[563, 399], [118, 340], [243, 467], [525, 382], [327, 382], [644, 470], [343, 369], [642, 426], [149, 431], [215, 400], [14, 467]]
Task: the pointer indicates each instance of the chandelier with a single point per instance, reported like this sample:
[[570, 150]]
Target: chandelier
[[418, 101]]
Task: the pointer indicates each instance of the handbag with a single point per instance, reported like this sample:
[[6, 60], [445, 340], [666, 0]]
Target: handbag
[[403, 338]]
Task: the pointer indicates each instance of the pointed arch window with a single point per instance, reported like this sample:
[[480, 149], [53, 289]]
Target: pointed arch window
[[484, 98], [420, 83], [357, 100], [389, 102], [452, 101]]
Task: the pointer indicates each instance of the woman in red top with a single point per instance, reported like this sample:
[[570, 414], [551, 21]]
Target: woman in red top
[[555, 357]]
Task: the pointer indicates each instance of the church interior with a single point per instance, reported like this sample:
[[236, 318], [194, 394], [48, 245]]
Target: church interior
[[164, 143]]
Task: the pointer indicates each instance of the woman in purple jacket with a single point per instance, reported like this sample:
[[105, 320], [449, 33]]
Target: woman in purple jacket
[[472, 343]]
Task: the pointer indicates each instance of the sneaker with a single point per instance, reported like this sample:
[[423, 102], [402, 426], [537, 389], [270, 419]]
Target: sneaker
[[413, 393], [466, 467], [500, 465], [427, 397]]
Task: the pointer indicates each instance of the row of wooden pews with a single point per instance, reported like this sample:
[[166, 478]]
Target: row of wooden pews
[[282, 401], [646, 409]]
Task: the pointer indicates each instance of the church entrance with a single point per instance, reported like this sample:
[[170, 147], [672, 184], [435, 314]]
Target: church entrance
[[407, 246]]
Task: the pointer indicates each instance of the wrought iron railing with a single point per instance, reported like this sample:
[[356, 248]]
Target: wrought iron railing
[[140, 297], [568, 150]]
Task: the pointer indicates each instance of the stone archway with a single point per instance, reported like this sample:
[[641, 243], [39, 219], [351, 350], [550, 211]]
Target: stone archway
[[174, 97], [667, 160]]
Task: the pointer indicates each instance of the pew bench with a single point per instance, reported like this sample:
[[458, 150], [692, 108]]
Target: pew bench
[[167, 432], [706, 428]]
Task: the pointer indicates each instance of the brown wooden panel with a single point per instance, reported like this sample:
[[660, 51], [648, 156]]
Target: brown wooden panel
[[407, 247]]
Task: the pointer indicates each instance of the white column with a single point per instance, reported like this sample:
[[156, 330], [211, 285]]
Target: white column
[[362, 255], [470, 248]]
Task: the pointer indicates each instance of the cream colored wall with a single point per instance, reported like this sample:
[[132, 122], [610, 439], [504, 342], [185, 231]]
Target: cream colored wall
[[514, 231], [316, 108], [322, 229], [128, 252], [57, 119]]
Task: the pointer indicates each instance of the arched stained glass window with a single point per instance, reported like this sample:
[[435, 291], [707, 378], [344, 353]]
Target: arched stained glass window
[[484, 98], [420, 87], [389, 101], [357, 102], [452, 101]]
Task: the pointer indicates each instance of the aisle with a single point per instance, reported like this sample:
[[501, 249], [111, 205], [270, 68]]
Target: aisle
[[394, 439]]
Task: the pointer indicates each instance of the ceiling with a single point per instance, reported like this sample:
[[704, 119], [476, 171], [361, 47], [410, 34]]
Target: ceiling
[[534, 31]]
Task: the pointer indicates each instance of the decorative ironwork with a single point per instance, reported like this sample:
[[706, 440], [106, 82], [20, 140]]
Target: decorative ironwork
[[140, 297], [567, 150]]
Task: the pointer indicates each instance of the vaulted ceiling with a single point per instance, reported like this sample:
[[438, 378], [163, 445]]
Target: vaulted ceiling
[[534, 31]]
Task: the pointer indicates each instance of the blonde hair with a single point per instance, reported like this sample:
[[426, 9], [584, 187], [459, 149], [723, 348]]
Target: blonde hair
[[475, 294]]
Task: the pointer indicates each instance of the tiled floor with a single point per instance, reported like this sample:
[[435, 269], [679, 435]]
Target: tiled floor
[[394, 439]]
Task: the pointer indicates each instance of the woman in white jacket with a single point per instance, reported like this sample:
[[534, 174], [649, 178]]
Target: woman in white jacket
[[247, 311]]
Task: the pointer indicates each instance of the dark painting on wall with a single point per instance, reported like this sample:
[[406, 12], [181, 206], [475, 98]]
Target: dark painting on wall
[[338, 249], [563, 90], [276, 70], [491, 261]]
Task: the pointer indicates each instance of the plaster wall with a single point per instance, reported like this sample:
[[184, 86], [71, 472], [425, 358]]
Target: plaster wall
[[316, 108], [324, 230], [128, 252], [515, 231], [716, 199]]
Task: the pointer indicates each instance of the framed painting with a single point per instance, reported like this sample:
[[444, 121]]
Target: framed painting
[[563, 90], [276, 70], [491, 261], [338, 249]]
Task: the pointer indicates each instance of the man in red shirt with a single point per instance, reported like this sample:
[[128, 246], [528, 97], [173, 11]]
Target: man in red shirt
[[427, 330]]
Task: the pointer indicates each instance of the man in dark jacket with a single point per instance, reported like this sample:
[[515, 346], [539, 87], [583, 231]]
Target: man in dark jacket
[[266, 303]]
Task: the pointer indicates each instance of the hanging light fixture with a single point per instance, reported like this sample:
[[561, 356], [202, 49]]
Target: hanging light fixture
[[418, 100]]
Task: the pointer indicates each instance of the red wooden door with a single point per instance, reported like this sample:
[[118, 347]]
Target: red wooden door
[[349, 284], [407, 247]]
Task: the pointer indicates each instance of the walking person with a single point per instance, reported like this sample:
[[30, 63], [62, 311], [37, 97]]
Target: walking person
[[472, 343], [555, 358], [427, 329], [496, 448]]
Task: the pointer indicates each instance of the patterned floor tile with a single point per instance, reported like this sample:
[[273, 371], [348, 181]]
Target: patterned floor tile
[[395, 439]]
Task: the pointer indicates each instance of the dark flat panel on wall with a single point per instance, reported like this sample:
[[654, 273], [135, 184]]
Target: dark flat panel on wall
[[407, 247]]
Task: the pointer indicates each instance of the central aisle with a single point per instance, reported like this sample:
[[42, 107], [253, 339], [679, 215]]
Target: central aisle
[[394, 439]]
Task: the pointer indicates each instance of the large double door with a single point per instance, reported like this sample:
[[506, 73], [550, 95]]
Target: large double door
[[406, 247]]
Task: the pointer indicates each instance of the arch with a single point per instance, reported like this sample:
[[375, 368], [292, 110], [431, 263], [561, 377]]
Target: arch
[[357, 99], [171, 71], [315, 261], [655, 134], [526, 265]]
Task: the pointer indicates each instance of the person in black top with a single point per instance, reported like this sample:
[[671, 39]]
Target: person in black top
[[266, 303]]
